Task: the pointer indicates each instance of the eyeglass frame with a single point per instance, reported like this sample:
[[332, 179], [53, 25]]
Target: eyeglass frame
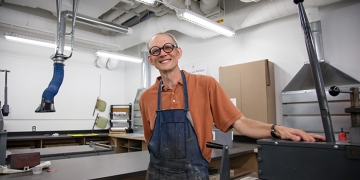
[[162, 48]]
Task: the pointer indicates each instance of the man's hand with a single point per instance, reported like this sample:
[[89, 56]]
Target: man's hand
[[296, 134]]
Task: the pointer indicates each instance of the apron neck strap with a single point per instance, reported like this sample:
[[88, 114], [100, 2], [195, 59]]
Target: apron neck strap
[[186, 108]]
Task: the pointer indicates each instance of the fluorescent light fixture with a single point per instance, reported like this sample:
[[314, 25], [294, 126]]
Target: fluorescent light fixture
[[197, 19], [32, 41], [123, 57], [148, 2]]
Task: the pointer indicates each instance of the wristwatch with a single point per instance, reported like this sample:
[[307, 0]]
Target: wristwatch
[[272, 131]]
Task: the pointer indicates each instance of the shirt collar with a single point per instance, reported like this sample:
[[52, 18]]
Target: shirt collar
[[163, 87]]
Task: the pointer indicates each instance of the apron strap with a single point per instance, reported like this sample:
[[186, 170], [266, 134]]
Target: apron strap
[[159, 96], [186, 108], [185, 91]]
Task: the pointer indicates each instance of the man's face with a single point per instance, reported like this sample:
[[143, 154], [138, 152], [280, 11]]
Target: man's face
[[164, 61]]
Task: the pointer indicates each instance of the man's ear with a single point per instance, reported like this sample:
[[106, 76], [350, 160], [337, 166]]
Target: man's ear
[[150, 60], [179, 52]]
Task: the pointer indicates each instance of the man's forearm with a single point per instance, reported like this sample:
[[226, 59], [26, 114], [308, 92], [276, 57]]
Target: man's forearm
[[252, 128], [259, 130]]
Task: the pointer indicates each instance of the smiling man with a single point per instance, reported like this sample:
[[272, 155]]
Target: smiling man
[[178, 113]]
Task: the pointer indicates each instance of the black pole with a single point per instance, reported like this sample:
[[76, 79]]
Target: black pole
[[316, 73], [5, 109]]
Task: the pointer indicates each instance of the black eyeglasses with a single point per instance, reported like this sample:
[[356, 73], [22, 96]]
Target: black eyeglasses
[[168, 48]]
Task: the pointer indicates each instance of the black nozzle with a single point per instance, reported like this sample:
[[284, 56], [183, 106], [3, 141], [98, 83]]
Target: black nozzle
[[298, 1], [46, 106], [334, 91], [5, 110]]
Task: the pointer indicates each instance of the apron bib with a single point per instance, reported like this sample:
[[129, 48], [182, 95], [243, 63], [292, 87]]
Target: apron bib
[[173, 146]]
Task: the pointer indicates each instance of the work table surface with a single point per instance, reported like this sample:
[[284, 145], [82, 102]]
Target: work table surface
[[114, 166], [134, 136], [61, 136], [61, 150]]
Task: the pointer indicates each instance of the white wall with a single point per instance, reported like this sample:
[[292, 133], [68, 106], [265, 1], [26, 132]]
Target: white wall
[[282, 42], [31, 72]]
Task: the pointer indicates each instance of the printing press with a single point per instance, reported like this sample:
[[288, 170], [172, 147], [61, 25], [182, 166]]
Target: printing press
[[281, 159]]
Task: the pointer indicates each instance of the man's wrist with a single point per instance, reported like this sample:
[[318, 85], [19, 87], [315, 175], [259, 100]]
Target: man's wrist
[[273, 132]]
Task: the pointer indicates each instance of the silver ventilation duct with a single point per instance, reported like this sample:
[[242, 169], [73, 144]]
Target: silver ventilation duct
[[145, 82], [145, 70], [299, 98], [47, 100]]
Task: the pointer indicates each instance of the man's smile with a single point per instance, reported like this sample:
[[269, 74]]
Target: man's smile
[[164, 61]]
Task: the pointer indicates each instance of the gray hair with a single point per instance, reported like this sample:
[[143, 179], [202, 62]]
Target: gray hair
[[170, 35]]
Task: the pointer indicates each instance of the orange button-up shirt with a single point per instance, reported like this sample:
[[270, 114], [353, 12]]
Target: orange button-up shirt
[[208, 105]]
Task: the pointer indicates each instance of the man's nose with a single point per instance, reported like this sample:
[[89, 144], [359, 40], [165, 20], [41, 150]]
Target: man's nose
[[162, 52]]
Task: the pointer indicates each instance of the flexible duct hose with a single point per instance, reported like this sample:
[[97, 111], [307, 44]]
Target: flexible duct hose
[[47, 102], [55, 83]]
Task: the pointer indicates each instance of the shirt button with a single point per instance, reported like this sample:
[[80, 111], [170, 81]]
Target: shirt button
[[174, 100]]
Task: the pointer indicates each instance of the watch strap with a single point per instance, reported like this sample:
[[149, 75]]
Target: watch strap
[[272, 131]]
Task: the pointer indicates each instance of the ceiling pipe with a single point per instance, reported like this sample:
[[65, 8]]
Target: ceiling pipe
[[100, 23], [315, 26], [115, 14], [145, 70], [131, 3], [19, 21], [164, 10], [125, 17], [127, 7], [144, 7], [177, 4], [208, 6], [143, 31], [195, 7], [254, 14]]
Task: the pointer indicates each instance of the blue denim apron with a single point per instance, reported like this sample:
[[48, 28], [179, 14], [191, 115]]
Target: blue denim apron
[[173, 146]]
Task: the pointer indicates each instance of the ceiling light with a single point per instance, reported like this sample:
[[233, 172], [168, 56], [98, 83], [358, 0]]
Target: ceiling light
[[111, 64], [118, 56], [205, 22], [148, 2], [100, 62], [32, 41]]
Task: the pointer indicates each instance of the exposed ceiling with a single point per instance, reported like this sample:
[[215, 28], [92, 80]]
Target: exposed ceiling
[[121, 12], [38, 18]]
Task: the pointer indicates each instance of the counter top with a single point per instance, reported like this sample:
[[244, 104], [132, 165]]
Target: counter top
[[114, 166], [61, 136], [134, 136], [62, 150]]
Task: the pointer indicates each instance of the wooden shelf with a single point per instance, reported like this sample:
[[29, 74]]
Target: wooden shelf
[[128, 143], [30, 142], [241, 165]]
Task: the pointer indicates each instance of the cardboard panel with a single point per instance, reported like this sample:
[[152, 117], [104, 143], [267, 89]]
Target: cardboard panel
[[253, 90], [270, 90], [230, 81], [253, 86]]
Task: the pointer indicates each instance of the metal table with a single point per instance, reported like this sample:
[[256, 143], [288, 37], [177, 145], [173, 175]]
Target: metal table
[[114, 166], [54, 153]]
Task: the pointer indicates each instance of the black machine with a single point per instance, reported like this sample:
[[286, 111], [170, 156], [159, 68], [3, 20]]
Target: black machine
[[281, 159], [4, 112], [3, 140]]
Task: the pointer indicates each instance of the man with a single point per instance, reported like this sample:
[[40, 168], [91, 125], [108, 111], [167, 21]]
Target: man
[[178, 113]]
